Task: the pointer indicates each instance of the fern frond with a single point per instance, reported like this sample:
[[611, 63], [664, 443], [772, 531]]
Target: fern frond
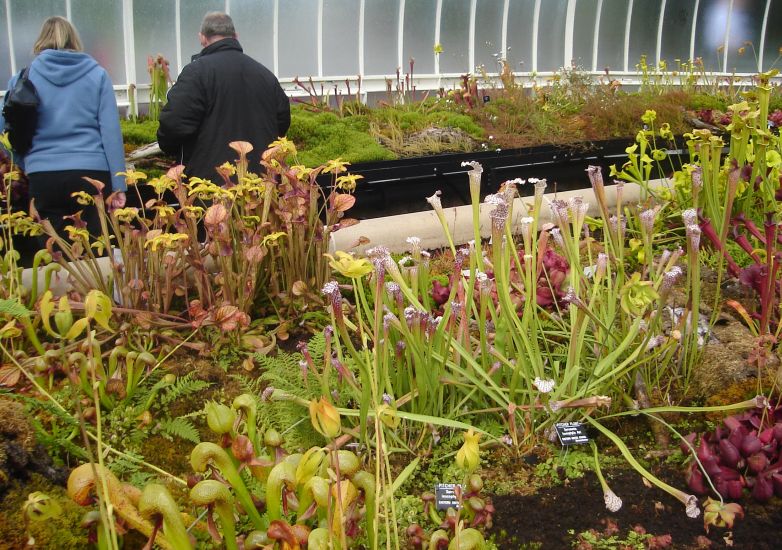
[[13, 308], [184, 386], [283, 372], [253, 386], [122, 466], [179, 427]]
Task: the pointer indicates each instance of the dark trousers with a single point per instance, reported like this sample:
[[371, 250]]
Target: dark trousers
[[52, 191]]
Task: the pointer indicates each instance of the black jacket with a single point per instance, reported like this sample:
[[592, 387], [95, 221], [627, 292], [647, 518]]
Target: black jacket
[[222, 96]]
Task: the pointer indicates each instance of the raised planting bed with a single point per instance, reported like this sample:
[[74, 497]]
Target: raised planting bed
[[401, 186]]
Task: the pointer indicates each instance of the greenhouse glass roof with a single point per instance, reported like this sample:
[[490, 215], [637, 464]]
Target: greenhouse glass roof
[[331, 40]]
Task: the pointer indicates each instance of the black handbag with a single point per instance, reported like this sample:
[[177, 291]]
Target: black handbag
[[20, 111]]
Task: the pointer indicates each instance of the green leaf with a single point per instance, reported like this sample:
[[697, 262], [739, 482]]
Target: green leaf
[[405, 474], [182, 428], [13, 308]]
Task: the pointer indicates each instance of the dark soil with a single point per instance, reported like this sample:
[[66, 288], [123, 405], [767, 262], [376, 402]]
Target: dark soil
[[543, 520]]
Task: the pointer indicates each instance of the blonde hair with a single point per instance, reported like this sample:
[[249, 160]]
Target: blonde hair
[[57, 33]]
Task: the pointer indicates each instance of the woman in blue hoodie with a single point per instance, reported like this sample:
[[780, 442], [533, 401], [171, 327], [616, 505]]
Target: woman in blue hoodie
[[78, 132]]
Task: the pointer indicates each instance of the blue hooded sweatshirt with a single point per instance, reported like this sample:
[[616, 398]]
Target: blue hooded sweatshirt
[[78, 122]]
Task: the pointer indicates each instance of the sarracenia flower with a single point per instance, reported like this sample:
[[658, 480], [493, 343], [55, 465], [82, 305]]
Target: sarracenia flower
[[637, 295], [126, 215], [348, 266], [132, 176], [165, 240], [348, 181], [83, 198], [162, 184], [336, 166], [468, 457], [206, 190], [325, 418]]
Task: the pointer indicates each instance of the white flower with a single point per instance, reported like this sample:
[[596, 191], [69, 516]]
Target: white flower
[[403, 261], [415, 242], [495, 200], [613, 502], [330, 288], [690, 217], [474, 165], [693, 510], [543, 386], [693, 232], [434, 201]]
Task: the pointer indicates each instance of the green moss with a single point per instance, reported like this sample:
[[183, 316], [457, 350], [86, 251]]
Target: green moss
[[62, 532], [450, 119], [141, 132], [324, 136], [697, 102]]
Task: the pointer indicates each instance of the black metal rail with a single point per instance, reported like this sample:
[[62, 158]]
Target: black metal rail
[[401, 186]]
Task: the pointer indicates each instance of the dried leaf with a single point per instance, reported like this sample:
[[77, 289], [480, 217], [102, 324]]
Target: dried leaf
[[347, 222], [342, 202], [361, 241], [9, 375], [248, 364], [299, 288]]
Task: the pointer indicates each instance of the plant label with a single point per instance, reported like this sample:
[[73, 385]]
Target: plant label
[[571, 433], [445, 496]]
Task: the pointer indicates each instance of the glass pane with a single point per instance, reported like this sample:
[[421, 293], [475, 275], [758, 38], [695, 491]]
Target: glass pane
[[710, 32], [677, 29], [254, 22], [419, 35], [772, 50], [643, 32], [100, 26], [5, 55], [611, 40], [340, 37], [488, 34], [298, 38], [584, 33], [153, 23], [454, 36], [520, 35], [551, 35], [381, 20], [191, 14], [746, 21], [26, 20]]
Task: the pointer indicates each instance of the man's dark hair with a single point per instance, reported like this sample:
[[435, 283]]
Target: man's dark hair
[[217, 23]]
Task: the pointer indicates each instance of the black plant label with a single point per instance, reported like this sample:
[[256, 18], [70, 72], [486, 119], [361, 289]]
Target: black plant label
[[571, 433], [445, 496]]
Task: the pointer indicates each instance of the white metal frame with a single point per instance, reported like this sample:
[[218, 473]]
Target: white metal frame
[[628, 21], [596, 35], [10, 30], [726, 39], [763, 27], [535, 22], [659, 45], [377, 83], [570, 23]]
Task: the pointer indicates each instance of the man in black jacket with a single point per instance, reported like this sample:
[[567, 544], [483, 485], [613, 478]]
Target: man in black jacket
[[222, 96]]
